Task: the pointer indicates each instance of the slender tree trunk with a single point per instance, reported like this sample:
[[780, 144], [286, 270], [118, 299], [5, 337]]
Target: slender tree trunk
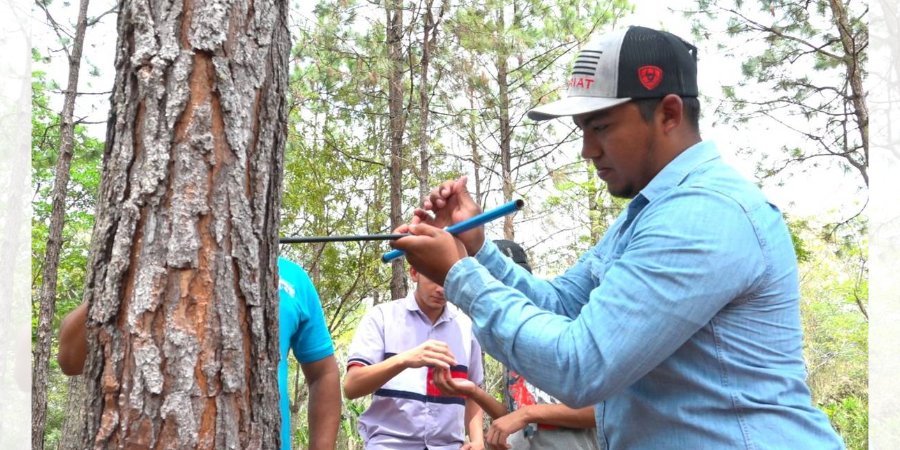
[[49, 273], [72, 429], [476, 155], [429, 42], [183, 317], [394, 36], [505, 131], [853, 62], [427, 28]]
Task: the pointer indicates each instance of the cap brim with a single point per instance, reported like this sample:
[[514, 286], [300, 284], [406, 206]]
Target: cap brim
[[573, 106]]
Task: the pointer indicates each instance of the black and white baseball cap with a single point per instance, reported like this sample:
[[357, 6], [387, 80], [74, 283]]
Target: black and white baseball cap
[[633, 63]]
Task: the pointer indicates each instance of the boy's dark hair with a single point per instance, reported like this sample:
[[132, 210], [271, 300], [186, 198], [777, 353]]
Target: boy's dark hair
[[514, 251]]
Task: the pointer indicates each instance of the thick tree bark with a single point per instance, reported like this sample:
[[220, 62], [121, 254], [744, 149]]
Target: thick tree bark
[[394, 37], [183, 318], [49, 272]]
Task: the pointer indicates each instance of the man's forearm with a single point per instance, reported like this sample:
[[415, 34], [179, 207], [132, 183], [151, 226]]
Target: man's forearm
[[364, 380], [474, 421], [560, 415], [324, 416], [489, 404]]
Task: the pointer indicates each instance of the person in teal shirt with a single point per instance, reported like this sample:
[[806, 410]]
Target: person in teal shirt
[[301, 329]]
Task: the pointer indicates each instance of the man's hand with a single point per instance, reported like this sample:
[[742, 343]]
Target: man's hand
[[451, 203], [448, 385], [472, 446], [429, 353], [502, 427], [432, 251]]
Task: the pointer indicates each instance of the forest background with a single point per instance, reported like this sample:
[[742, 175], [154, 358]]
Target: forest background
[[778, 96]]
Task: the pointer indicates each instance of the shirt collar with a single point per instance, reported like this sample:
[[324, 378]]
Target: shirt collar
[[410, 303], [675, 172]]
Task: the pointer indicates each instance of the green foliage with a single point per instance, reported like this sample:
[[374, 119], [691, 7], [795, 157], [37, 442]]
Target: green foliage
[[850, 418], [835, 323]]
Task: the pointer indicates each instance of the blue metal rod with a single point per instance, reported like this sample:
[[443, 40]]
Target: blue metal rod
[[468, 224]]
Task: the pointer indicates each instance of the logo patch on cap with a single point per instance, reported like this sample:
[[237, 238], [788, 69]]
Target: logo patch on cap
[[650, 76]]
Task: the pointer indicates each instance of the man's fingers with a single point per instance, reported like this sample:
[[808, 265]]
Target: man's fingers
[[423, 229], [403, 228]]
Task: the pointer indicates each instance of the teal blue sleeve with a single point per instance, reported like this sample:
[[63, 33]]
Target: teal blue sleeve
[[302, 318]]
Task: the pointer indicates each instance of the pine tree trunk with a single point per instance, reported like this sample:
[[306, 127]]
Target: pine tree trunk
[[183, 318], [49, 272], [855, 75], [429, 39], [72, 429], [394, 37], [505, 132]]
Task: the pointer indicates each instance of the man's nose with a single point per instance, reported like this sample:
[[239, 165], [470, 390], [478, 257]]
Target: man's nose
[[590, 149]]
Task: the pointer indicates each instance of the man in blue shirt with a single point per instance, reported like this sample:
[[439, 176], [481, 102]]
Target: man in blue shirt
[[301, 328], [682, 324]]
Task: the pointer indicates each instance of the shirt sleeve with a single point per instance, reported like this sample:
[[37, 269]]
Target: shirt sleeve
[[566, 295], [311, 341], [680, 267], [367, 347]]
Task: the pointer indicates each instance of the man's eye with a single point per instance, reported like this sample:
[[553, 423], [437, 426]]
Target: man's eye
[[599, 127]]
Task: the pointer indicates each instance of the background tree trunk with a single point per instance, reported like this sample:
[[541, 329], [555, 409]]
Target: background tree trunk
[[183, 318], [429, 43], [41, 353], [394, 37], [72, 429], [505, 129]]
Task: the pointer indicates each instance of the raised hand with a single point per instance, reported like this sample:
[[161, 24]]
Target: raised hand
[[429, 353], [451, 203], [432, 251]]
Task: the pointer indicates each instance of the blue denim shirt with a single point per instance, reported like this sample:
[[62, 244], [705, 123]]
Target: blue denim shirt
[[682, 325]]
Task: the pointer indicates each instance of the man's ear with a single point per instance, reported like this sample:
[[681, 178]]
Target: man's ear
[[670, 112], [413, 274]]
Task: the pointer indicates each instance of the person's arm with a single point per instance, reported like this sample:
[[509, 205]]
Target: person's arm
[[643, 304], [365, 379], [558, 415], [474, 425], [324, 406], [460, 387], [73, 341]]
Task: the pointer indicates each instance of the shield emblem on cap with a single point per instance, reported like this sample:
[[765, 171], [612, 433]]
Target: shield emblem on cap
[[650, 76]]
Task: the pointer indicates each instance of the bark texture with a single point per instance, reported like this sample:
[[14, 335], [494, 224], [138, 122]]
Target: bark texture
[[182, 325]]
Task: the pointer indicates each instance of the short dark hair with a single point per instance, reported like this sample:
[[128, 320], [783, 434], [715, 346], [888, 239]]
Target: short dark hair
[[514, 251], [691, 109]]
